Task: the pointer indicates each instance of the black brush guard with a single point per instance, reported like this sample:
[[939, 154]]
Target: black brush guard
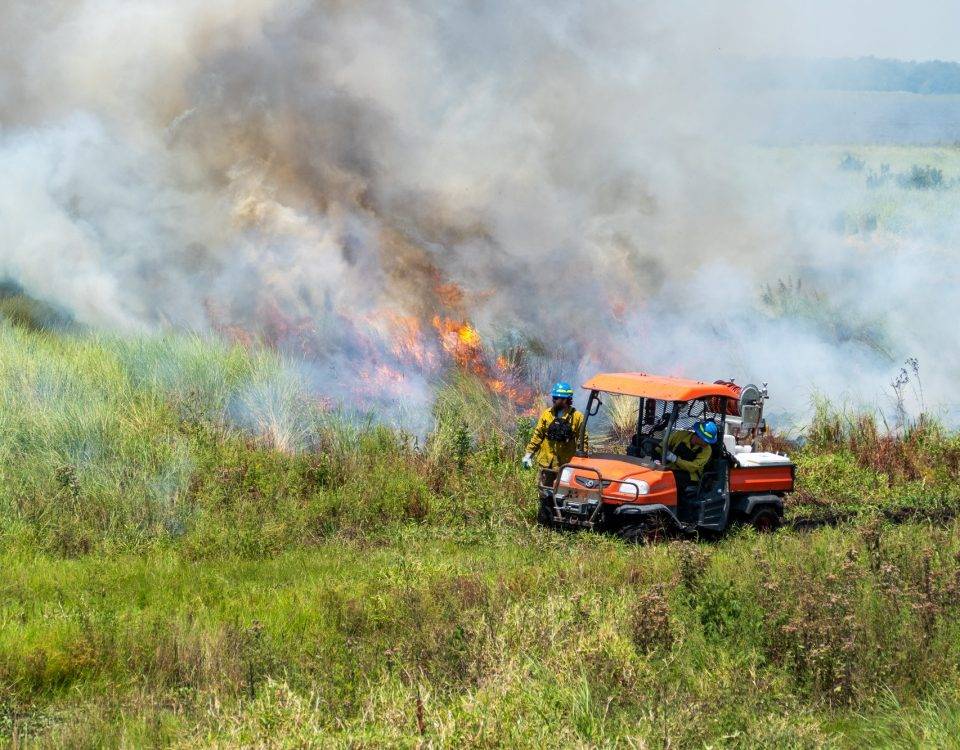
[[588, 519], [627, 513]]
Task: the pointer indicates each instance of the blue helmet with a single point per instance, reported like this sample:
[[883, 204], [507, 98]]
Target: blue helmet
[[707, 431], [562, 389]]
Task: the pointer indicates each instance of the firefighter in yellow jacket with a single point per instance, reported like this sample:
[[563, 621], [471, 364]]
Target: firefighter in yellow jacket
[[689, 452], [554, 439]]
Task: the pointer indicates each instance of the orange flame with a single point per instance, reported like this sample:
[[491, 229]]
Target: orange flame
[[393, 347], [462, 342]]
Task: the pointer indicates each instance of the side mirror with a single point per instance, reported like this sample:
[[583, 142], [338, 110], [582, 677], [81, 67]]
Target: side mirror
[[593, 406]]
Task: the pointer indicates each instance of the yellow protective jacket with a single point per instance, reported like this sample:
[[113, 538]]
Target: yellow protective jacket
[[550, 453], [692, 456]]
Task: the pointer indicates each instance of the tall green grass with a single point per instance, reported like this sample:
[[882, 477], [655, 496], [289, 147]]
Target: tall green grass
[[194, 552], [526, 638]]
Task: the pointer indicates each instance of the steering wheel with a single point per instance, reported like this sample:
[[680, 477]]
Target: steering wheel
[[648, 445]]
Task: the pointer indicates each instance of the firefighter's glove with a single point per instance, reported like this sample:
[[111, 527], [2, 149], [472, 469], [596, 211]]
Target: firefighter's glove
[[527, 461], [670, 458]]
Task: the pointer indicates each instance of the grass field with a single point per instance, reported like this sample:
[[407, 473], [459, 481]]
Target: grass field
[[195, 553]]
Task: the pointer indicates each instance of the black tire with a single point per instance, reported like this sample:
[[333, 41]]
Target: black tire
[[765, 520], [545, 514], [648, 531], [631, 534]]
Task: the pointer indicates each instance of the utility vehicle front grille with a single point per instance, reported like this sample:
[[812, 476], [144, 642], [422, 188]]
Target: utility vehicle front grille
[[590, 483]]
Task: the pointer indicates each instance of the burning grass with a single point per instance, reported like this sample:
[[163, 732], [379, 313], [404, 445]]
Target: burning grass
[[397, 353]]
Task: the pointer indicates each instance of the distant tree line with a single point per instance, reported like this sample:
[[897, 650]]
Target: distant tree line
[[850, 74]]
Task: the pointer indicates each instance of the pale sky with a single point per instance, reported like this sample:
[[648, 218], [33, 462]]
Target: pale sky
[[919, 30]]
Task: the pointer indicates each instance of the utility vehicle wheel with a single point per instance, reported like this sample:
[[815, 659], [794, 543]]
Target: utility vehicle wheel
[[545, 515], [650, 532], [765, 520]]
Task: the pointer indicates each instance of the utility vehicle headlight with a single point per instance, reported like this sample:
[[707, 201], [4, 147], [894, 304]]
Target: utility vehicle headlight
[[566, 475], [626, 488]]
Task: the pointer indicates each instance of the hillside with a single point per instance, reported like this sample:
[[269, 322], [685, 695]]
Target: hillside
[[851, 74]]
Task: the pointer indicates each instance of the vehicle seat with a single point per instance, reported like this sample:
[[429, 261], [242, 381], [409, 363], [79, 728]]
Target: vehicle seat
[[711, 473]]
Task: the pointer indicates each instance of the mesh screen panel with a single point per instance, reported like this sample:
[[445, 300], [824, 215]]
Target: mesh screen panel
[[614, 428]]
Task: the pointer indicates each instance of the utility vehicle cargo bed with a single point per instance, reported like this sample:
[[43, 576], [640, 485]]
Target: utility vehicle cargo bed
[[763, 478]]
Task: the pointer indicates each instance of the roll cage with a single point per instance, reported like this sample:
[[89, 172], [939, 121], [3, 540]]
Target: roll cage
[[657, 419]]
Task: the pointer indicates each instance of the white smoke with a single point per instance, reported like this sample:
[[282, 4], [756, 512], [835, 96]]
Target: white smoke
[[580, 171]]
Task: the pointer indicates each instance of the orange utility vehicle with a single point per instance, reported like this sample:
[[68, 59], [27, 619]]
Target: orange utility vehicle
[[621, 485]]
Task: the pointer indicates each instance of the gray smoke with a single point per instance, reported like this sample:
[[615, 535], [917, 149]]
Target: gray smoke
[[580, 175]]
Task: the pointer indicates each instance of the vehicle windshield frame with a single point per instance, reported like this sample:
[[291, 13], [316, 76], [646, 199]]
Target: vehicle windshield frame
[[590, 411], [674, 411]]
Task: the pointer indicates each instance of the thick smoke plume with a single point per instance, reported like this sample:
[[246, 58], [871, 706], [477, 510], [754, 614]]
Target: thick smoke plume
[[575, 177]]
